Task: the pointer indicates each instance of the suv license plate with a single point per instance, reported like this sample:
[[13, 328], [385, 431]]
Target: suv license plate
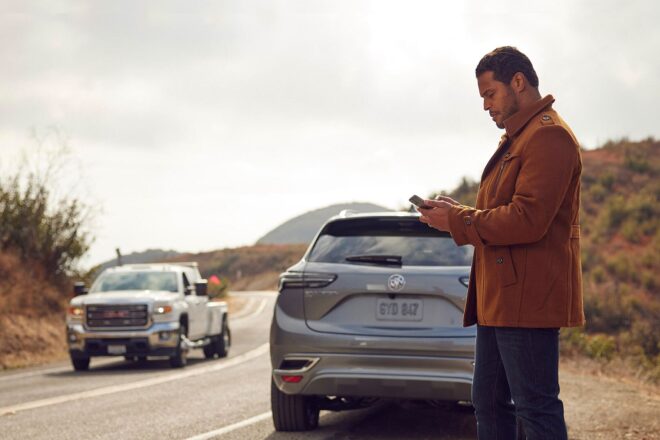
[[399, 309], [116, 349]]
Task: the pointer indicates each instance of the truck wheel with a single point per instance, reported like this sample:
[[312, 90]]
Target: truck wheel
[[293, 413], [180, 357], [209, 350], [223, 342], [80, 363]]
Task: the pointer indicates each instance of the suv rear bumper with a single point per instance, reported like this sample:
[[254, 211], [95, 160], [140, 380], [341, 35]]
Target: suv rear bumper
[[358, 366], [403, 377], [160, 339]]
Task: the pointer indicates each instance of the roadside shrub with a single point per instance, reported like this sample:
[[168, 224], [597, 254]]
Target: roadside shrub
[[598, 274], [607, 180], [44, 230], [600, 347], [218, 286], [597, 192], [615, 212], [635, 160]]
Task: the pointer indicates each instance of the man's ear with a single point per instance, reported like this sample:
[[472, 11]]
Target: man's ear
[[518, 82]]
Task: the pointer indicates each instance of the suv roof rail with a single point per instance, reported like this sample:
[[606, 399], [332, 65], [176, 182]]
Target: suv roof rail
[[347, 213]]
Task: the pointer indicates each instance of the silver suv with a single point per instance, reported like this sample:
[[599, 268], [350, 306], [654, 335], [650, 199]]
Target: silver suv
[[373, 310]]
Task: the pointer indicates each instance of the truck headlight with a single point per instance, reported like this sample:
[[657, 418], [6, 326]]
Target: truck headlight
[[75, 311], [162, 310]]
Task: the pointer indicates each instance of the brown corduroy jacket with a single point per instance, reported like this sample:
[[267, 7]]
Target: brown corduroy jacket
[[526, 268]]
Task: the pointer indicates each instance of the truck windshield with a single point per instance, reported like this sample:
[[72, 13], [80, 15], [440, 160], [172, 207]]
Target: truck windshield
[[111, 282]]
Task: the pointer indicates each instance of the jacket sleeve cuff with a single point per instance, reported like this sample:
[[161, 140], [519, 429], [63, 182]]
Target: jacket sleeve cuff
[[462, 226]]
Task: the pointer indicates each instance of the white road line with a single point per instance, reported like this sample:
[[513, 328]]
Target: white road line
[[261, 305], [53, 370], [13, 409], [230, 428], [246, 310], [260, 308]]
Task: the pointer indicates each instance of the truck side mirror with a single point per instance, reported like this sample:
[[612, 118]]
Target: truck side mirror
[[201, 287], [79, 288]]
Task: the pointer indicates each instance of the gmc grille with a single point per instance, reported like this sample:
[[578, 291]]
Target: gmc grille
[[120, 315]]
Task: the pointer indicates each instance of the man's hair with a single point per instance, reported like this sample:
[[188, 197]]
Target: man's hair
[[505, 62]]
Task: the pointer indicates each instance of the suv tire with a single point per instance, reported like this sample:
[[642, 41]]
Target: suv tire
[[291, 412]]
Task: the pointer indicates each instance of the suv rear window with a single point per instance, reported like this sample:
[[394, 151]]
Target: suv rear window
[[416, 243]]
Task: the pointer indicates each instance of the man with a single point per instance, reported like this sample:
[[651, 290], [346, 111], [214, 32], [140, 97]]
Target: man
[[526, 276]]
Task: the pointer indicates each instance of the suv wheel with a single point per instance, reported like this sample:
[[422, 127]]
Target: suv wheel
[[293, 413], [80, 363], [180, 358]]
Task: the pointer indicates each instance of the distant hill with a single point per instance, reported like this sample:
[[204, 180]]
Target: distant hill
[[148, 256], [247, 268], [302, 229]]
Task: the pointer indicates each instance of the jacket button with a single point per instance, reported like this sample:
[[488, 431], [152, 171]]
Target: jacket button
[[468, 221], [500, 260]]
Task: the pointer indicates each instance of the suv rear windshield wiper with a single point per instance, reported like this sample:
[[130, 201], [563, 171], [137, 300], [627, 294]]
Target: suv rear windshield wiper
[[393, 260]]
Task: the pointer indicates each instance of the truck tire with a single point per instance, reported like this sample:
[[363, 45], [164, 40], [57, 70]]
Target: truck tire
[[209, 350], [223, 342], [180, 357], [293, 413], [80, 363]]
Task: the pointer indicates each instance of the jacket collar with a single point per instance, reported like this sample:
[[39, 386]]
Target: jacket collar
[[513, 124]]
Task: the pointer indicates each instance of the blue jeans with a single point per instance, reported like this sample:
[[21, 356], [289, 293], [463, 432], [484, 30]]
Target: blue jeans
[[516, 373]]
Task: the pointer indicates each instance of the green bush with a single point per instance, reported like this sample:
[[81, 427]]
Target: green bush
[[39, 228], [600, 347], [607, 180], [598, 274]]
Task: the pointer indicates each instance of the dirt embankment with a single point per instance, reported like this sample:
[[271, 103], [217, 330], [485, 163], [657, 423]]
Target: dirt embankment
[[600, 406]]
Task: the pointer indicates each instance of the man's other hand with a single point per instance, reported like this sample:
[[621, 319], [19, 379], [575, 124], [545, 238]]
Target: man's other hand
[[447, 199], [437, 216]]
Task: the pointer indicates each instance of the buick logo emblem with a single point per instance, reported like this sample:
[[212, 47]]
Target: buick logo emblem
[[396, 282]]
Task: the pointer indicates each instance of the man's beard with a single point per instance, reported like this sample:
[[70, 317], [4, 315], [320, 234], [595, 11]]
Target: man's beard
[[511, 110]]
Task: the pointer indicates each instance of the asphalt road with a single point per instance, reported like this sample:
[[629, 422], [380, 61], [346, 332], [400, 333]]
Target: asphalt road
[[223, 398]]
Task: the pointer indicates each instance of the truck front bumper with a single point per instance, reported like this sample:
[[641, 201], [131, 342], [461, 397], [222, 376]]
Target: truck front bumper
[[161, 339]]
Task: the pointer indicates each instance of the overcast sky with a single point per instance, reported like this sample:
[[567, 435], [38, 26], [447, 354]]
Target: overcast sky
[[201, 125]]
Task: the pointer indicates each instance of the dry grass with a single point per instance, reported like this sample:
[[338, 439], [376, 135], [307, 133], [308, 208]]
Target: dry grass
[[602, 406], [26, 341]]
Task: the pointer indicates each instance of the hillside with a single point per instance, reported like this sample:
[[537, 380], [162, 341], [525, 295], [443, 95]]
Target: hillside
[[620, 242], [148, 256], [301, 229], [250, 267]]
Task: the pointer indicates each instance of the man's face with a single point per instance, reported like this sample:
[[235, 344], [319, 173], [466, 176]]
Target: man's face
[[499, 98]]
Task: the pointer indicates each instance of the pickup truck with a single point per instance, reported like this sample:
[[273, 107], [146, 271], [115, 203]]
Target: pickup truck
[[140, 310]]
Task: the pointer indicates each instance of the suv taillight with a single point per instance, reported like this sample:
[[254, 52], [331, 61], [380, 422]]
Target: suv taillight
[[306, 279]]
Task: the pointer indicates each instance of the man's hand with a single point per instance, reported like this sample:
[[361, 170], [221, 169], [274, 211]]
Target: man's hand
[[447, 199], [437, 216]]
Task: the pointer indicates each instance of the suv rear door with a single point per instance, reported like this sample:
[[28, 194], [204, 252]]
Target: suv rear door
[[391, 276]]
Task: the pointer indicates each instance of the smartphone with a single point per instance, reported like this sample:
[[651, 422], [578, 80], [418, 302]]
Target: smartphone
[[419, 202]]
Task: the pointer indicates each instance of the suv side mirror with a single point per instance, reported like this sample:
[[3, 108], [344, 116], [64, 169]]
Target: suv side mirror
[[79, 288], [201, 287]]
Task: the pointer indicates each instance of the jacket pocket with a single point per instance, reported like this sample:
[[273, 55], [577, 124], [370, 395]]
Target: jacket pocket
[[500, 262], [504, 168]]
